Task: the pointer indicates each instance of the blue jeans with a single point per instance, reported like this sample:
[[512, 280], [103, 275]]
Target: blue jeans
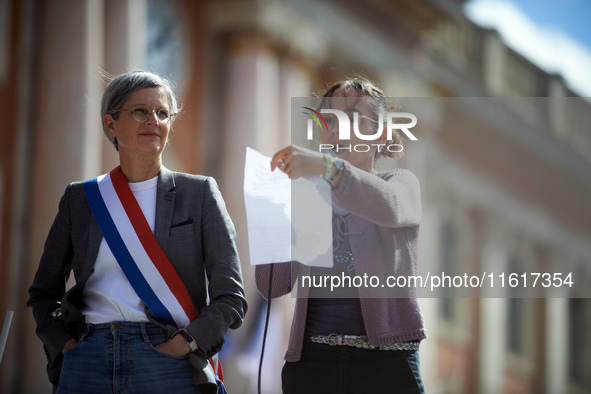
[[348, 370], [120, 357]]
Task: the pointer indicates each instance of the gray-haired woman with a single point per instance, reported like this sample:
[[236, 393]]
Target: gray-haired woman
[[158, 279]]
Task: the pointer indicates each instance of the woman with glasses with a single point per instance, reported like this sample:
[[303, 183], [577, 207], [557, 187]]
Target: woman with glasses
[[153, 252], [362, 336]]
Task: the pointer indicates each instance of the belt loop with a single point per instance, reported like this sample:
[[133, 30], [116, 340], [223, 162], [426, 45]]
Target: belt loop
[[144, 332], [84, 333]]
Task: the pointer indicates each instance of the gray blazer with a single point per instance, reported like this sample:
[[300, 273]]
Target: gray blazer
[[196, 233]]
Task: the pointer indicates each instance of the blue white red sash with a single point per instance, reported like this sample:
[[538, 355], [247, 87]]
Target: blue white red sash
[[141, 258], [135, 248]]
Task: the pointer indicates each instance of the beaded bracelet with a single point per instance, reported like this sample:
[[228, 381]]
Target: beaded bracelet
[[328, 168], [339, 168]]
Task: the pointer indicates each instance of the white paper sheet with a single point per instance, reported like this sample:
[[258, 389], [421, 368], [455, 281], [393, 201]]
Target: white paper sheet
[[287, 220]]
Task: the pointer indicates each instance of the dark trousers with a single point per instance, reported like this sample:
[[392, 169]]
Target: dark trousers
[[344, 369]]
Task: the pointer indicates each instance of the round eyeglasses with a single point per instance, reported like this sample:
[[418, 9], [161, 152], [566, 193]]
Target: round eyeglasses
[[142, 114]]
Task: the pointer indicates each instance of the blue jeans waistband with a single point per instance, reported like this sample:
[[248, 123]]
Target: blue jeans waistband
[[123, 357], [123, 327]]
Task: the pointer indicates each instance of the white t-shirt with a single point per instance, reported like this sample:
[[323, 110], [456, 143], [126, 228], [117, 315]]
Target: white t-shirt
[[108, 295]]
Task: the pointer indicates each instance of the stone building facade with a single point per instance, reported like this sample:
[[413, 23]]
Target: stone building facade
[[507, 188]]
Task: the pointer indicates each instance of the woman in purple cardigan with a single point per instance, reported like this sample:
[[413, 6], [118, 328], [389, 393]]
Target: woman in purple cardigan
[[362, 337]]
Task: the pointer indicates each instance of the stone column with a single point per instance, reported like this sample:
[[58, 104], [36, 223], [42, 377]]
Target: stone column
[[429, 256], [65, 142], [249, 115], [294, 82], [14, 163], [492, 348], [494, 63], [557, 318], [493, 318]]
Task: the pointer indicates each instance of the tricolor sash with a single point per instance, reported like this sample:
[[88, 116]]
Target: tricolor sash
[[135, 248], [141, 258]]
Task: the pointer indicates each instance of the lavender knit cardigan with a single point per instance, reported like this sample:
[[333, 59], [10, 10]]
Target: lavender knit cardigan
[[384, 226]]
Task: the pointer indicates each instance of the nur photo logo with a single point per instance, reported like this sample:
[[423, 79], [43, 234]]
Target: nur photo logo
[[327, 119]]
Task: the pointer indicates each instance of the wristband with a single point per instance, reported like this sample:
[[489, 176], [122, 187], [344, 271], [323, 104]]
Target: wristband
[[340, 167], [188, 337], [328, 168]]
